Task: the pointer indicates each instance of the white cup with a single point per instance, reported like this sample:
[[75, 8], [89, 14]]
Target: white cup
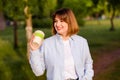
[[38, 37]]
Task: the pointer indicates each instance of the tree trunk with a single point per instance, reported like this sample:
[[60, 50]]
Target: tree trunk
[[111, 20], [2, 21], [28, 29], [15, 34]]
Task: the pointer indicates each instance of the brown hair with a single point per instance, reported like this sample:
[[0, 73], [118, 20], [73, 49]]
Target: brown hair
[[66, 15]]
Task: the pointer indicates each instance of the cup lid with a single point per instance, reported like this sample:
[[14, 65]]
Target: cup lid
[[39, 33]]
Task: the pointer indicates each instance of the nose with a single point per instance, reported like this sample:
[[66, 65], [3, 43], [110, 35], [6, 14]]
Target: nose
[[58, 23]]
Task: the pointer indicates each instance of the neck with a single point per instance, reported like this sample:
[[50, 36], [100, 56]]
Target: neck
[[65, 38]]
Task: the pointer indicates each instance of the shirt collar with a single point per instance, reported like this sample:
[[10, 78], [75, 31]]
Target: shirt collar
[[71, 37]]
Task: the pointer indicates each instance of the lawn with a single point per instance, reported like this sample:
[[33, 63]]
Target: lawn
[[14, 64]]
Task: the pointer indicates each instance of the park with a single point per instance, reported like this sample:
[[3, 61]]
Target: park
[[98, 24]]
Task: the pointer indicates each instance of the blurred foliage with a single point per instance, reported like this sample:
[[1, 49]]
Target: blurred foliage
[[42, 23], [13, 9], [41, 8], [113, 4], [106, 6], [44, 8]]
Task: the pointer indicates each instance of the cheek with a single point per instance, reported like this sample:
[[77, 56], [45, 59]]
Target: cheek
[[54, 25], [66, 26]]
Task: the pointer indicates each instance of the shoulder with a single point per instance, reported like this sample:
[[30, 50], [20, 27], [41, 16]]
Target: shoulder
[[78, 38], [50, 39]]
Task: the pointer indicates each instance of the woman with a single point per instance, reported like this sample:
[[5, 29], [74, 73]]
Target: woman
[[65, 55]]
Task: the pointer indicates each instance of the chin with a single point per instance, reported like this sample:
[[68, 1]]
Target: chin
[[59, 33]]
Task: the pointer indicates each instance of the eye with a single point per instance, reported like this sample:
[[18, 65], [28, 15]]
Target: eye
[[55, 20], [61, 21]]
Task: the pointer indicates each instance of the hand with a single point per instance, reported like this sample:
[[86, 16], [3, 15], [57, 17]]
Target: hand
[[34, 46]]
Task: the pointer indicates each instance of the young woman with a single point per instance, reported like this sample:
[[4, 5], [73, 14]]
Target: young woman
[[65, 55]]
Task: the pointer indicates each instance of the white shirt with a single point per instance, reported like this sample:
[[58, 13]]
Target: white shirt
[[50, 57], [69, 69]]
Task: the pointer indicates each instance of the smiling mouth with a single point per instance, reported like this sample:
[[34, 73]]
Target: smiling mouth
[[59, 28]]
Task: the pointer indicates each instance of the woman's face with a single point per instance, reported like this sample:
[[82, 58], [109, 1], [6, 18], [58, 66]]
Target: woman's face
[[60, 26]]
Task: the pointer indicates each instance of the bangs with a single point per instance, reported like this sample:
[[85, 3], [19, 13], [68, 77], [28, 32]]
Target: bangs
[[62, 15]]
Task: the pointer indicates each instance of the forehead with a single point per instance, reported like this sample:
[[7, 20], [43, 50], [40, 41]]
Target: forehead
[[61, 17], [58, 17]]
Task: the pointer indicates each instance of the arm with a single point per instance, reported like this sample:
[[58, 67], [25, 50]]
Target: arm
[[89, 73], [37, 62], [37, 58]]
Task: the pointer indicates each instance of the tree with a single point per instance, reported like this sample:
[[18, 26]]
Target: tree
[[14, 11], [97, 10], [28, 27], [113, 6], [24, 10], [36, 9], [2, 20], [32, 7]]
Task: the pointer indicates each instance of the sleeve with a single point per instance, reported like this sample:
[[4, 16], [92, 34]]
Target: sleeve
[[88, 70], [37, 61]]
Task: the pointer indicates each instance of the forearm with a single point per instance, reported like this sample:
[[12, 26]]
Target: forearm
[[89, 72], [37, 62]]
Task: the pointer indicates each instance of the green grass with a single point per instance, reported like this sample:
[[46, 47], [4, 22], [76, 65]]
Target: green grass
[[14, 64], [99, 37]]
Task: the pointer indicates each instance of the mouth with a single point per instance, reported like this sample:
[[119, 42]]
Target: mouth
[[59, 28]]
